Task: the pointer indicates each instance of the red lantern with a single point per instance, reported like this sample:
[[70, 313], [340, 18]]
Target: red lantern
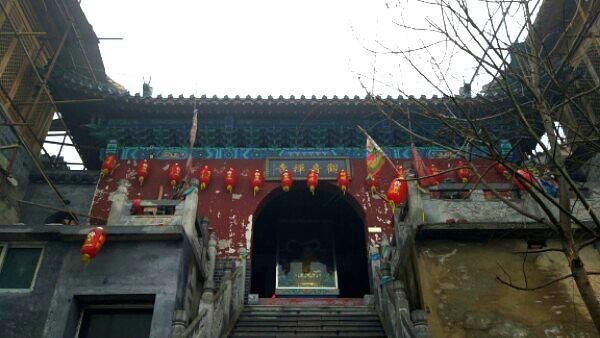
[[343, 181], [174, 174], [286, 180], [136, 207], [501, 169], [521, 178], [464, 174], [230, 179], [108, 165], [204, 177], [93, 243], [373, 183], [142, 171], [312, 180], [435, 172], [256, 181], [397, 192]]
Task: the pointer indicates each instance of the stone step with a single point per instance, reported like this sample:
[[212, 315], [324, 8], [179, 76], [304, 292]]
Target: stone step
[[278, 323], [308, 321], [307, 335], [326, 328], [304, 317], [308, 308]]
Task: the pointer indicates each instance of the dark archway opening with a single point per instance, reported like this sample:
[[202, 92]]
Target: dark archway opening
[[309, 240]]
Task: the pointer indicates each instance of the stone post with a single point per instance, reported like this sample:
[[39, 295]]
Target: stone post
[[190, 204], [419, 318], [209, 283], [416, 212], [118, 207], [179, 324]]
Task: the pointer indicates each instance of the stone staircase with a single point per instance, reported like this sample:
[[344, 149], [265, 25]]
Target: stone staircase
[[307, 321]]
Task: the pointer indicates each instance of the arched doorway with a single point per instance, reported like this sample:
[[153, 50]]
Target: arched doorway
[[305, 245]]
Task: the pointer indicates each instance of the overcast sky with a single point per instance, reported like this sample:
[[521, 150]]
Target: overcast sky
[[268, 47]]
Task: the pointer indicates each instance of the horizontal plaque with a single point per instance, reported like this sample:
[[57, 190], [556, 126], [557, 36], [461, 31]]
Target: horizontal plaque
[[327, 167]]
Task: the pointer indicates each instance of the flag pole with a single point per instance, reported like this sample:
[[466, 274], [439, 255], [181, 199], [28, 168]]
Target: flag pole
[[362, 130]]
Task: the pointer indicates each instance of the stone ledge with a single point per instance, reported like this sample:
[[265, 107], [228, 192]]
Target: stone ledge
[[77, 233], [485, 230]]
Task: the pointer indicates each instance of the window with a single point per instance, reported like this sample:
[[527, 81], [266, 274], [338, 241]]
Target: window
[[18, 266], [115, 322]]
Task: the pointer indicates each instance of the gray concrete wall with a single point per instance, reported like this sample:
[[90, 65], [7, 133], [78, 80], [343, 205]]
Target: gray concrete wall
[[22, 314], [148, 262], [21, 167], [76, 186], [122, 269]]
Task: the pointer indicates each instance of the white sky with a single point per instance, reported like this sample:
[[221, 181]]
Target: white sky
[[265, 47]]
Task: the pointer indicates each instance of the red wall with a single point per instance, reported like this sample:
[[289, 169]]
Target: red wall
[[232, 216]]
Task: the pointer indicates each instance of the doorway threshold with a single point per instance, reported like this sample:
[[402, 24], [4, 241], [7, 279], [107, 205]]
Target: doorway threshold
[[310, 301]]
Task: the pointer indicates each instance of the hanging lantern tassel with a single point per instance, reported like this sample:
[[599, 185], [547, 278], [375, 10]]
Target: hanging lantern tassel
[[174, 174], [286, 180], [142, 171], [522, 178], [230, 179], [312, 180], [397, 192], [373, 183], [464, 174], [93, 243], [204, 177], [256, 181], [343, 181], [108, 165]]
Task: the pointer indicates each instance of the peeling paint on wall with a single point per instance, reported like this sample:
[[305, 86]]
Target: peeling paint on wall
[[218, 206], [464, 299]]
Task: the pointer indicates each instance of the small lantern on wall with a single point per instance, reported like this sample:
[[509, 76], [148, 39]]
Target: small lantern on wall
[[373, 183], [230, 179], [286, 180], [463, 173], [397, 192], [256, 181], [343, 181], [143, 171], [312, 180], [136, 207], [435, 172], [93, 243], [174, 174], [522, 177], [204, 177], [501, 169], [108, 165]]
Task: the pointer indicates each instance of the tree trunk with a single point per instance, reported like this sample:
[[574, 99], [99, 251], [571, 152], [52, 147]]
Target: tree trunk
[[588, 294], [582, 280]]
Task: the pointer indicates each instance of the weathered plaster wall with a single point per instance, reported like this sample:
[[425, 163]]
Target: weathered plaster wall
[[22, 314], [122, 269], [19, 169], [465, 300], [80, 196], [232, 215]]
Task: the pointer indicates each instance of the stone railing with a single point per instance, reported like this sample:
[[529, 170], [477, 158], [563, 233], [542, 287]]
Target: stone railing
[[477, 209], [219, 311], [120, 210], [392, 304], [394, 279]]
